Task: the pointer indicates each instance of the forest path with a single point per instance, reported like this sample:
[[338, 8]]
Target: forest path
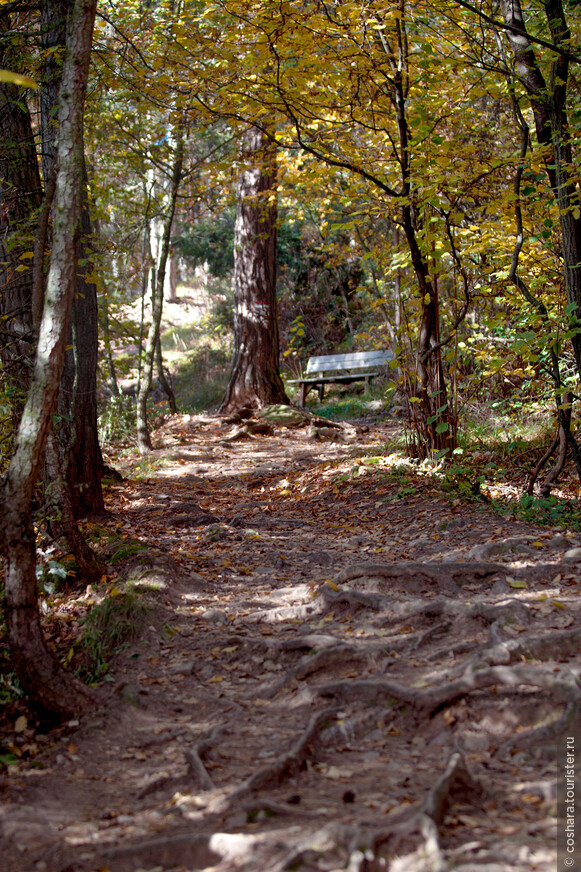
[[345, 669]]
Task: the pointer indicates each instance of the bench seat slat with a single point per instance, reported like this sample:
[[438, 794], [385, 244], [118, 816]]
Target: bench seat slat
[[351, 360]]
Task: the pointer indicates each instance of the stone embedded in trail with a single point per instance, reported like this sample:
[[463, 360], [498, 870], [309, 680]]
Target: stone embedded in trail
[[283, 416], [214, 616], [189, 514], [573, 555]]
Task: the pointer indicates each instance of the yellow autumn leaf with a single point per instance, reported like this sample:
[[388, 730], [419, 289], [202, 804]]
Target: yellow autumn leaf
[[16, 79]]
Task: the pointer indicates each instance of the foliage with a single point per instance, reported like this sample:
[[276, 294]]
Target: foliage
[[117, 420], [551, 511]]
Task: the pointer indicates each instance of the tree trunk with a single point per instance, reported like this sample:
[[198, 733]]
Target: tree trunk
[[20, 200], [431, 418], [163, 379], [91, 567], [255, 381], [48, 684], [143, 437], [76, 431], [549, 104], [172, 282]]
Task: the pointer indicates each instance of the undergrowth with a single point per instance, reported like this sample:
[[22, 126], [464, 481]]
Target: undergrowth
[[348, 403], [106, 630]]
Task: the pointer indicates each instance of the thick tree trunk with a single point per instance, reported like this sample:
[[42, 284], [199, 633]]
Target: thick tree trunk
[[78, 430], [143, 436], [20, 200], [76, 433], [255, 381], [48, 684]]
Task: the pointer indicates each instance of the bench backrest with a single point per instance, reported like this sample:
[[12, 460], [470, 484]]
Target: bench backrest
[[352, 360]]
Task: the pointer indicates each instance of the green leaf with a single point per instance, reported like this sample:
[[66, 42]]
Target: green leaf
[[442, 427]]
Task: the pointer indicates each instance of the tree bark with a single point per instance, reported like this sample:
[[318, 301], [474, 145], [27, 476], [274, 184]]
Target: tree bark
[[76, 432], [549, 104], [48, 684], [163, 379], [143, 436], [432, 410], [20, 200], [255, 381]]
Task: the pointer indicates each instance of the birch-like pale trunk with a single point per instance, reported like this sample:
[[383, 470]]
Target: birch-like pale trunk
[[143, 436]]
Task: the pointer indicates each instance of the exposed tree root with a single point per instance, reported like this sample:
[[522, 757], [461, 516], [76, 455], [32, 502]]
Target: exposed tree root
[[456, 775], [560, 440], [289, 764], [326, 659], [411, 840], [194, 757], [353, 598], [542, 736], [336, 839], [562, 685], [446, 609], [429, 573], [441, 629], [190, 849], [197, 770], [558, 646]]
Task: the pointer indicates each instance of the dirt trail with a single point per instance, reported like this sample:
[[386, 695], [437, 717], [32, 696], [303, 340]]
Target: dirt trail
[[342, 671]]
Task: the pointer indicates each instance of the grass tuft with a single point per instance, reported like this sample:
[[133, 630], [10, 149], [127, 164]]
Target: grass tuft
[[107, 629]]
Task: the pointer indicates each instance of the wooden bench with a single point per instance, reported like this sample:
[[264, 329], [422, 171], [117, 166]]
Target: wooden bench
[[340, 367]]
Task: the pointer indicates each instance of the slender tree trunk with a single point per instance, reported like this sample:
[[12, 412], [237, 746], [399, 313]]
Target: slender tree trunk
[[48, 684], [146, 262], [432, 414], [163, 380], [143, 437], [548, 101], [255, 381], [172, 283]]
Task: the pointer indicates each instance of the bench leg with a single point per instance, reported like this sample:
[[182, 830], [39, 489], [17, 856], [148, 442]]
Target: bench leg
[[321, 392], [303, 395]]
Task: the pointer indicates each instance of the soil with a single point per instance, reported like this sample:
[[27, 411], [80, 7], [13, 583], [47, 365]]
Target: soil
[[340, 670]]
